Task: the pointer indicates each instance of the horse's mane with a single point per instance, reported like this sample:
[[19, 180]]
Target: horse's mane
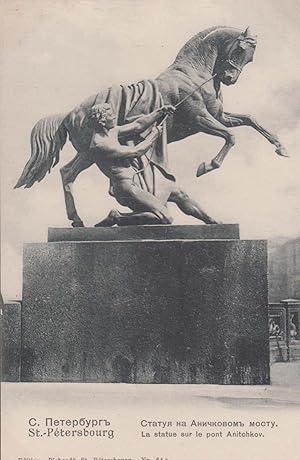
[[199, 37]]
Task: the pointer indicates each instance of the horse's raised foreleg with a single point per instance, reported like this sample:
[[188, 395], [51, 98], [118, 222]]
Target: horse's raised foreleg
[[232, 120], [208, 124], [69, 172]]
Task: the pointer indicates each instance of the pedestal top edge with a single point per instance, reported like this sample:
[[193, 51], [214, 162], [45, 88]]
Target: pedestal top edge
[[145, 232], [229, 241]]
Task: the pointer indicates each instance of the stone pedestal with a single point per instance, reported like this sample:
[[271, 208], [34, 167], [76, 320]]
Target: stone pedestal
[[10, 341], [99, 308]]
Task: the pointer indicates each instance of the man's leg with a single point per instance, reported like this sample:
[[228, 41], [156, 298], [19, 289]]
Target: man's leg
[[132, 218], [147, 209], [189, 206]]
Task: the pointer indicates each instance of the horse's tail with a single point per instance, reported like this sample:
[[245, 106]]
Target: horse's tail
[[48, 137]]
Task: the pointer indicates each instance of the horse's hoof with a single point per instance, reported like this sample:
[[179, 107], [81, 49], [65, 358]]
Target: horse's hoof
[[282, 152], [77, 224], [202, 169]]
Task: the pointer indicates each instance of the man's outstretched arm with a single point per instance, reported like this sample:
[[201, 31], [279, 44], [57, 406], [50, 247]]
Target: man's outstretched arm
[[145, 121], [124, 151]]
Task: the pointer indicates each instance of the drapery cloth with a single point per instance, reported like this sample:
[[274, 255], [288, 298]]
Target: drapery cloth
[[128, 102]]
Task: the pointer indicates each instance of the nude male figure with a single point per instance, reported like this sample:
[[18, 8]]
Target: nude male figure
[[116, 162]]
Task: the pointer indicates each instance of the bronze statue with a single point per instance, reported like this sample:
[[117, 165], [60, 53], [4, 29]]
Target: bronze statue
[[192, 84]]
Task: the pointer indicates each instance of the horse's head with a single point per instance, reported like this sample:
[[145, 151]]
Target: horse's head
[[237, 53]]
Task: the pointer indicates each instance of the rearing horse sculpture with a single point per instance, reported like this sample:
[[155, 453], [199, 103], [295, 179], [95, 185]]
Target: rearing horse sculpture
[[213, 56]]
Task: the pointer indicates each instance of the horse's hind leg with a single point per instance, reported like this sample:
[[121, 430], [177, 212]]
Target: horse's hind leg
[[69, 172]]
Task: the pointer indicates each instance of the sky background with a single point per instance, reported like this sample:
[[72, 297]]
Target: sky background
[[54, 54]]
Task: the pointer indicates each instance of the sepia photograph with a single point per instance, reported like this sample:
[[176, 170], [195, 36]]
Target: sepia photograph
[[150, 229]]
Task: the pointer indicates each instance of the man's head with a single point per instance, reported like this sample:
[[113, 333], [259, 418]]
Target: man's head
[[101, 114]]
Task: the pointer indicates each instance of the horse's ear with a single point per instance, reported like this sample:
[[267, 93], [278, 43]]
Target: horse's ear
[[247, 33]]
